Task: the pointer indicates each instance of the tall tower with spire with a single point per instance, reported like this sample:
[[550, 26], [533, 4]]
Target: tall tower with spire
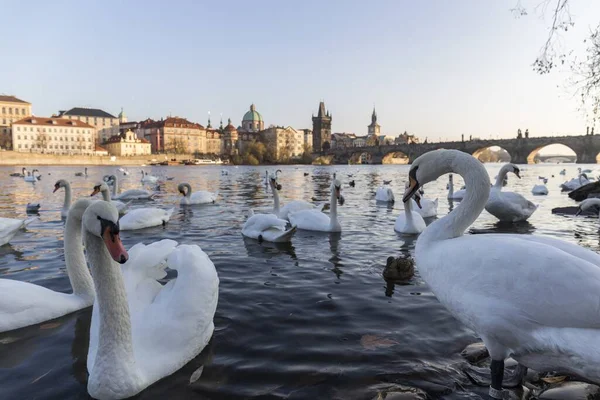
[[374, 128], [321, 129]]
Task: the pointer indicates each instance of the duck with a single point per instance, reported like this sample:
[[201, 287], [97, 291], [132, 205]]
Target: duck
[[128, 347], [352, 183], [148, 178], [199, 197], [147, 217], [306, 174], [267, 227], [452, 195], [385, 195], [292, 206], [510, 289], [23, 304], [508, 206], [131, 194], [399, 269], [427, 208], [102, 188], [410, 222], [316, 220], [387, 182], [82, 173], [32, 207], [563, 172]]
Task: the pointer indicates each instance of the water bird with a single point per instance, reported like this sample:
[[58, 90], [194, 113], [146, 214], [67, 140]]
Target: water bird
[[508, 206], [399, 269], [506, 299], [575, 183], [20, 175], [292, 206], [316, 220], [352, 183], [32, 208], [149, 178], [24, 304], [103, 189], [427, 208], [306, 174], [267, 227], [410, 222], [199, 197], [32, 177], [387, 182], [82, 173], [384, 195], [123, 170], [452, 195], [131, 194], [128, 350], [592, 204], [540, 189]]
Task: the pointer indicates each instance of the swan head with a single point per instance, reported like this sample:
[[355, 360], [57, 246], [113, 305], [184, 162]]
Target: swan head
[[61, 183], [181, 188], [336, 188], [101, 219], [512, 168], [273, 181], [99, 188], [588, 204]]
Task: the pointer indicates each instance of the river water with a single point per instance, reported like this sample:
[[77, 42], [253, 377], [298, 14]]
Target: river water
[[313, 320]]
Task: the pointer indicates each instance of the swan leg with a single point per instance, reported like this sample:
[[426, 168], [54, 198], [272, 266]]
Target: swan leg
[[497, 372]]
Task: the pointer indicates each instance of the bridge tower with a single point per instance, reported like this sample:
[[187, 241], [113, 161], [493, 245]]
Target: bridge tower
[[321, 130]]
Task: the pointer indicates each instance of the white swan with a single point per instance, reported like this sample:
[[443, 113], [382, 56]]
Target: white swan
[[61, 183], [510, 289], [541, 189], [575, 183], [508, 206], [267, 227], [315, 220], [589, 204], [149, 178], [384, 194], [410, 222], [131, 194], [123, 170], [136, 341], [10, 226], [23, 304], [427, 208], [32, 177], [199, 197], [119, 205], [452, 195], [82, 173], [290, 207], [140, 218]]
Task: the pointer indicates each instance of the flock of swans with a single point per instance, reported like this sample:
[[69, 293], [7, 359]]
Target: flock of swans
[[528, 297]]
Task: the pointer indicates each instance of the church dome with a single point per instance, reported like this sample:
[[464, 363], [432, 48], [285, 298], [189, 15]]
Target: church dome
[[229, 127], [252, 115]]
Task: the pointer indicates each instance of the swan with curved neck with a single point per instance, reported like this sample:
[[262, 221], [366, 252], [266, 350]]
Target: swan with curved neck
[[105, 191], [131, 194], [315, 220], [410, 222], [290, 207], [509, 288], [508, 206], [61, 183], [199, 197], [128, 350], [24, 304]]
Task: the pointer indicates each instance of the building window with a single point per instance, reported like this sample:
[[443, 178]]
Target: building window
[[25, 145], [25, 136], [19, 137], [19, 146], [4, 121], [22, 111], [3, 110], [10, 110]]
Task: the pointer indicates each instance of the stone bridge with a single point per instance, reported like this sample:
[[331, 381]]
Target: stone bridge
[[521, 150]]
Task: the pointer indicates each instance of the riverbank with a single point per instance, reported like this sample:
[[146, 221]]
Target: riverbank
[[24, 159]]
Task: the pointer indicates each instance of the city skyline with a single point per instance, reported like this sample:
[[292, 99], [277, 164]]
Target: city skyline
[[460, 68]]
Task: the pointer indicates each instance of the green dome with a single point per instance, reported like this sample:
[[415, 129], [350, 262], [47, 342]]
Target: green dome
[[252, 115]]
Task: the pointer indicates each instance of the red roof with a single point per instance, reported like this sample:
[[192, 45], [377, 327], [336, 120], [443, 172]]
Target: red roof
[[230, 128], [171, 122], [52, 122], [98, 148]]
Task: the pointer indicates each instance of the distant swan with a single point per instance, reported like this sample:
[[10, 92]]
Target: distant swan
[[315, 220], [267, 227], [131, 194], [119, 205], [508, 206], [452, 195], [589, 204], [427, 208], [384, 194], [134, 342], [528, 297], [292, 206], [199, 197], [410, 222], [24, 304], [148, 178]]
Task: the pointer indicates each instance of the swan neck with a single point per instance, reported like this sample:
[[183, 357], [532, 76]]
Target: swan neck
[[408, 211], [188, 193], [333, 206], [275, 199], [67, 201], [115, 188], [105, 194], [476, 196], [114, 340], [500, 178], [77, 270]]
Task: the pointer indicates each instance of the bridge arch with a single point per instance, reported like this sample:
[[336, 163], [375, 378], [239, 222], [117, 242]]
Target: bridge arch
[[492, 154], [552, 153], [361, 157], [395, 157]]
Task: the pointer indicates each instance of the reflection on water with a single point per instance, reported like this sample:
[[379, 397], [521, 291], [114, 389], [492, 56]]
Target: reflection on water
[[292, 318]]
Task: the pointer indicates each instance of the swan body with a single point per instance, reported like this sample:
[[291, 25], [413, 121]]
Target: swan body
[[82, 173], [32, 177], [575, 183], [409, 222], [539, 190], [384, 194], [587, 204], [23, 173], [147, 217], [510, 289], [123, 170], [291, 207], [267, 227], [452, 195], [149, 178], [315, 220], [508, 206], [428, 207], [10, 226], [199, 197], [135, 341], [24, 304], [119, 205], [131, 194]]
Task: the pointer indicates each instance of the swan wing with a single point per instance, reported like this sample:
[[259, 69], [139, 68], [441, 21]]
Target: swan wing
[[295, 206], [203, 197], [144, 218], [310, 220], [178, 324]]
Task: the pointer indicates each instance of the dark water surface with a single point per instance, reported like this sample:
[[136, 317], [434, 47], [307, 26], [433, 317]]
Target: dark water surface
[[311, 320]]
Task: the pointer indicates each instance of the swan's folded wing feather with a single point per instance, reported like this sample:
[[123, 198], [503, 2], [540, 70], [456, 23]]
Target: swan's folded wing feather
[[262, 222]]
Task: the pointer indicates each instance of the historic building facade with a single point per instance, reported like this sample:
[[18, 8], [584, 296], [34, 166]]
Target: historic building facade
[[252, 121], [53, 136], [174, 135], [286, 142], [374, 129], [321, 129], [11, 109], [229, 138], [127, 144], [106, 124]]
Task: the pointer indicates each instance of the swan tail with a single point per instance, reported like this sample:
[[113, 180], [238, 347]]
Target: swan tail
[[28, 221], [170, 212], [250, 213], [286, 236]]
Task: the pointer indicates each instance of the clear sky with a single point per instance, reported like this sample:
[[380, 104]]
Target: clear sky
[[434, 68]]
